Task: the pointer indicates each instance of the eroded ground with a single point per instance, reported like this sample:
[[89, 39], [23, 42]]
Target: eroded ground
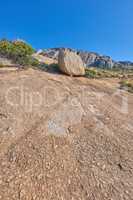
[[64, 138]]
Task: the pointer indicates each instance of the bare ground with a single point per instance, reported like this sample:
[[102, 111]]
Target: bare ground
[[64, 138]]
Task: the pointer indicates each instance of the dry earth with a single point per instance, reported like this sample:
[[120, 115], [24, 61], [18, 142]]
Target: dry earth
[[44, 59], [64, 138]]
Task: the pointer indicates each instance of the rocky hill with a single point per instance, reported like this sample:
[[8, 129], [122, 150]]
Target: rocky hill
[[64, 138], [91, 59], [62, 135], [21, 53]]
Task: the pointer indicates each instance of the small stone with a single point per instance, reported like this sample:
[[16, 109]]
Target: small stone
[[103, 167], [98, 164]]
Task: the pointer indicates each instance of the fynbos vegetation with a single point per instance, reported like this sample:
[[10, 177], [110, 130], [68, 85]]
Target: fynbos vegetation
[[108, 73], [18, 51]]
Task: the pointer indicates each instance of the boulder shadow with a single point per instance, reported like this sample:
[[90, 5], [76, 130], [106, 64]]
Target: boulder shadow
[[51, 68]]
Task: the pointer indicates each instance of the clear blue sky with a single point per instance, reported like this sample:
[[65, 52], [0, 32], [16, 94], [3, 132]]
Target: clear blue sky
[[104, 26]]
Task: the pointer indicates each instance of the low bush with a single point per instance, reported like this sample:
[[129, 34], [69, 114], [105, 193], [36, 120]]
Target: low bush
[[92, 73], [19, 51], [127, 84], [107, 73]]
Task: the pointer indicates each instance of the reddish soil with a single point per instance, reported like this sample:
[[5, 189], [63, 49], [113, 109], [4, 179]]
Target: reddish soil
[[64, 138]]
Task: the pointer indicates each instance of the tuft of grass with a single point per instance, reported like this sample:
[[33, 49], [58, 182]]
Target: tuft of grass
[[127, 85], [107, 73], [91, 73]]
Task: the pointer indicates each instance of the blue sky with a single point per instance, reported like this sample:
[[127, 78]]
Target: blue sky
[[103, 26]]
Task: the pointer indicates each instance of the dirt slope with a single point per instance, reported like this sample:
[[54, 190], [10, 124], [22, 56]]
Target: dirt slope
[[64, 138]]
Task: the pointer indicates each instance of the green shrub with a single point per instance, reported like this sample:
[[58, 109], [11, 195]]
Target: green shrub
[[22, 49], [92, 73], [6, 48], [107, 73], [34, 62], [19, 51]]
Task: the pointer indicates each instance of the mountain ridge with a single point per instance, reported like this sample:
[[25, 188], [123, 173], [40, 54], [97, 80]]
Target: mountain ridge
[[90, 58]]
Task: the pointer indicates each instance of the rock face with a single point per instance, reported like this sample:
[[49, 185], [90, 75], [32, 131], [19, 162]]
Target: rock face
[[6, 62], [91, 59], [96, 60], [44, 59], [70, 63], [124, 64]]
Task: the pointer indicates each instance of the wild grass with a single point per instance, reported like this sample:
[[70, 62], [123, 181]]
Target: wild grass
[[127, 85], [107, 73]]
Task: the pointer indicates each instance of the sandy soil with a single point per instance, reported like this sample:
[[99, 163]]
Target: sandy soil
[[64, 138], [44, 59]]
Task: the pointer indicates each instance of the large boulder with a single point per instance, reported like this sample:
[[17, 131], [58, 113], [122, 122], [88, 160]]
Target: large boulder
[[70, 63]]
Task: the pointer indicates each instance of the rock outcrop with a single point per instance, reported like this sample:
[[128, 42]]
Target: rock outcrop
[[96, 60], [124, 64], [5, 62], [70, 63], [44, 59]]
